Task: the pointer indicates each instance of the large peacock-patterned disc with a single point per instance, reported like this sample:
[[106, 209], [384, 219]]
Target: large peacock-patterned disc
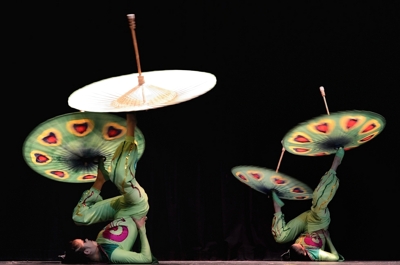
[[66, 148], [324, 134], [266, 180]]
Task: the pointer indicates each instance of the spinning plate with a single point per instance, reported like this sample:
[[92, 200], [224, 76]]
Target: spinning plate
[[124, 94], [66, 148], [324, 134], [265, 180]]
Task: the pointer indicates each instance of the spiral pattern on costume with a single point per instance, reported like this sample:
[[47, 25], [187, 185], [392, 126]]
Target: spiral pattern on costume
[[117, 234]]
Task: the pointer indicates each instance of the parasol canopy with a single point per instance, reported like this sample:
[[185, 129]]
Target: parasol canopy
[[124, 93]]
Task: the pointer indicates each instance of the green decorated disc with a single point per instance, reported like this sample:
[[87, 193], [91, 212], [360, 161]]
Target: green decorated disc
[[266, 180], [66, 148], [323, 135]]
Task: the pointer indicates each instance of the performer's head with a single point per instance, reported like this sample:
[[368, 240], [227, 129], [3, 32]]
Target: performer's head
[[74, 257], [82, 251], [296, 252]]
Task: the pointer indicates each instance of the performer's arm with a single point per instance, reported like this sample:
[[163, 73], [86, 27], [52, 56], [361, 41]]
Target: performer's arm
[[128, 257], [333, 255]]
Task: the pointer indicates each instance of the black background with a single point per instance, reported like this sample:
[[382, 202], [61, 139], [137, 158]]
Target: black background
[[269, 60]]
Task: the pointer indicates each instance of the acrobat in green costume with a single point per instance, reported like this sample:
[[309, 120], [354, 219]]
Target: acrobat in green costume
[[117, 238], [311, 227]]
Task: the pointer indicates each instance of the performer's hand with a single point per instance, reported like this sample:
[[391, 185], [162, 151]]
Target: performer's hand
[[140, 222], [326, 233]]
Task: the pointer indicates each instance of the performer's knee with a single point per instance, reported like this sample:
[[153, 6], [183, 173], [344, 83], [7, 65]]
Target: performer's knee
[[280, 239], [80, 216], [78, 220]]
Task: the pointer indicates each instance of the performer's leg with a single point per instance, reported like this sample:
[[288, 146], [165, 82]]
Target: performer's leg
[[285, 232], [123, 164], [122, 174], [319, 217], [91, 207]]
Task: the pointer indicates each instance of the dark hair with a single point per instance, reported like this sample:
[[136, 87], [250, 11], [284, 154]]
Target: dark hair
[[72, 256], [293, 255]]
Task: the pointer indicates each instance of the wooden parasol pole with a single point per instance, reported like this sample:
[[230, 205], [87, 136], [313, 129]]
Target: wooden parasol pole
[[323, 95], [132, 25], [280, 160]]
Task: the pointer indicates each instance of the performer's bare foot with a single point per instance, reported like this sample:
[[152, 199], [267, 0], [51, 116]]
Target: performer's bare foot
[[277, 201], [100, 177], [130, 123], [340, 153], [140, 222], [338, 158]]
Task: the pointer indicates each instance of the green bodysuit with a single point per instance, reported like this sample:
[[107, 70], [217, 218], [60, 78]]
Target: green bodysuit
[[117, 238], [133, 200], [309, 226]]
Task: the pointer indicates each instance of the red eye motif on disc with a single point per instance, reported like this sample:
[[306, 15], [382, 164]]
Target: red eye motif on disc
[[256, 176], [80, 128], [351, 123], [279, 181], [366, 139], [301, 139], [57, 173], [323, 127], [298, 190], [369, 128], [41, 158], [242, 177], [301, 150], [51, 138], [113, 132], [90, 176]]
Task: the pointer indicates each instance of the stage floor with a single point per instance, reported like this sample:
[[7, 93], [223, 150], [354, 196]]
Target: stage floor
[[189, 262]]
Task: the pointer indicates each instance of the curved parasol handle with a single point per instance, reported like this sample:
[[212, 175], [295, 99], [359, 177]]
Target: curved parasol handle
[[321, 88]]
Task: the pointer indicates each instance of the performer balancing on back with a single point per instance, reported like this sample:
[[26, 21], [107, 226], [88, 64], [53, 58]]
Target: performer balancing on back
[[311, 227], [127, 212]]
